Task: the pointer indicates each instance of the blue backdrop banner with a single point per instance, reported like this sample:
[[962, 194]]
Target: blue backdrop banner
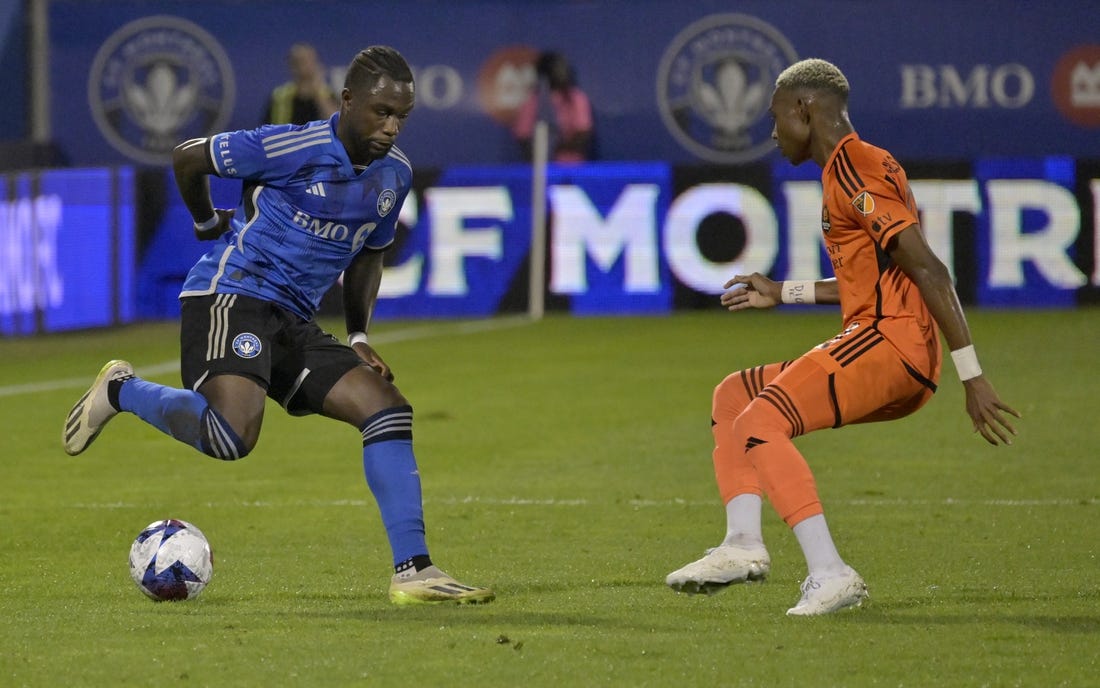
[[67, 250], [629, 238], [90, 247], [670, 81]]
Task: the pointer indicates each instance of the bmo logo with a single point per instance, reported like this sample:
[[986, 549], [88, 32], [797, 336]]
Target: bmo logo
[[1075, 86], [1007, 86]]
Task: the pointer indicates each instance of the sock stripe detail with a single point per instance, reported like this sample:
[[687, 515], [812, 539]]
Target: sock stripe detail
[[216, 435], [219, 438], [389, 424]]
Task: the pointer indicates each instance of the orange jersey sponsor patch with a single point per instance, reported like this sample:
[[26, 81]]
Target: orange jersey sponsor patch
[[864, 203]]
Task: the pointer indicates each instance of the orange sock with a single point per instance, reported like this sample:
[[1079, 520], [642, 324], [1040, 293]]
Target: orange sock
[[764, 435]]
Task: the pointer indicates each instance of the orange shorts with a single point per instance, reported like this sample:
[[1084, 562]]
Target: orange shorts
[[856, 377]]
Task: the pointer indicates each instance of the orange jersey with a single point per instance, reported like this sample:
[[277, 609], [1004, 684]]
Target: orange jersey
[[866, 201]]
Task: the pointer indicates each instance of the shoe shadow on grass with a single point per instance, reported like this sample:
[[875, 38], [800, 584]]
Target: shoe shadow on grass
[[1074, 624], [983, 610], [534, 605]]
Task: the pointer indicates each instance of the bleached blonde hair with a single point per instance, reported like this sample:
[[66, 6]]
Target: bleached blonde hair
[[814, 74]]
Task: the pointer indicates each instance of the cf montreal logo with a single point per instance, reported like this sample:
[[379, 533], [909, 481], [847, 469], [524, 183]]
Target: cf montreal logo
[[714, 84], [156, 81], [386, 200], [247, 345]]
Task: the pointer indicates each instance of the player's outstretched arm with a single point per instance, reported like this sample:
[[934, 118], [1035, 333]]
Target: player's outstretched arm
[[758, 291], [989, 414]]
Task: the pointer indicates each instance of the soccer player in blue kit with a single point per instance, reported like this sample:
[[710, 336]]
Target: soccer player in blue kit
[[318, 200]]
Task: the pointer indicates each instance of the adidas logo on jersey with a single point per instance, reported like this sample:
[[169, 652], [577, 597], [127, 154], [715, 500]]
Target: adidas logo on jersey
[[317, 189]]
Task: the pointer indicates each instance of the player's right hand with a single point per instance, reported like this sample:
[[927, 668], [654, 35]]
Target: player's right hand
[[988, 412], [752, 291]]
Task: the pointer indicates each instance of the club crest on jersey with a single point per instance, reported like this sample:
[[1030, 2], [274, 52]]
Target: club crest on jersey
[[864, 203], [247, 345], [156, 81], [825, 224], [386, 200]]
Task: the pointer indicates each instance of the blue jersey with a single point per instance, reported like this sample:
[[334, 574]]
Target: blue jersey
[[305, 213]]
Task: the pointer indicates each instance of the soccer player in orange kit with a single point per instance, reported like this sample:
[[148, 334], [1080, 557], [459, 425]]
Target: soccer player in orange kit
[[896, 296]]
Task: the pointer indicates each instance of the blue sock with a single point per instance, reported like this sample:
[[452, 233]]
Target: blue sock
[[390, 468], [182, 414]]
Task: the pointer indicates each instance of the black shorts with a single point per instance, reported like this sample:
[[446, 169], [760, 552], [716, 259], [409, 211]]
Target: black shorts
[[293, 359]]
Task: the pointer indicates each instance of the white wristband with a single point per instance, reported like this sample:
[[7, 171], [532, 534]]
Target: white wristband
[[966, 363], [798, 291], [209, 224], [357, 338]]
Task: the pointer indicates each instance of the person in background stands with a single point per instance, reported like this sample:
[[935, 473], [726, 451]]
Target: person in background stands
[[307, 96], [572, 126]]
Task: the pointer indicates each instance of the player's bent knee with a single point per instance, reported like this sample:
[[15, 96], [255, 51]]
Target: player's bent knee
[[393, 398], [361, 394], [729, 398]]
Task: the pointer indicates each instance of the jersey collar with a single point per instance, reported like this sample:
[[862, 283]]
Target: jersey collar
[[346, 168], [840, 144]]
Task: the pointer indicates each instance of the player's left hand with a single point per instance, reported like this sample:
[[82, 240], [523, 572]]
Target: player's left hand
[[752, 291], [372, 359], [224, 216], [988, 412]]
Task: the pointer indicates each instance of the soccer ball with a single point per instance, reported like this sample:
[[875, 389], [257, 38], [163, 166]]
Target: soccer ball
[[171, 560]]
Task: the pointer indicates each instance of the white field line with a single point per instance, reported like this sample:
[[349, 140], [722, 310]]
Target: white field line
[[405, 334], [637, 503]]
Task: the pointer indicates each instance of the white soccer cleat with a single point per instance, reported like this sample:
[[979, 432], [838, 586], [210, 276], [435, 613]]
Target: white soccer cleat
[[825, 594], [721, 566], [91, 413], [431, 586]]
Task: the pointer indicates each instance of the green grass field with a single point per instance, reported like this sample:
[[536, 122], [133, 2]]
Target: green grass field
[[566, 463]]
